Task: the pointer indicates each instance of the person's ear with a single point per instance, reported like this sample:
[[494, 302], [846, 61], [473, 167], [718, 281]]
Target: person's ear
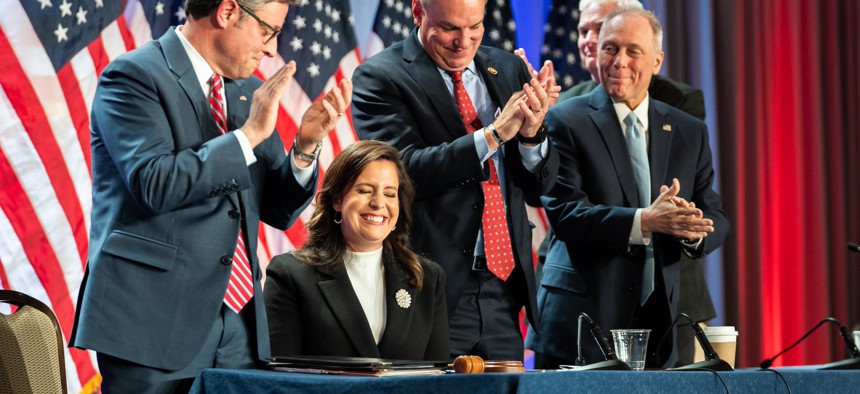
[[417, 12], [227, 10]]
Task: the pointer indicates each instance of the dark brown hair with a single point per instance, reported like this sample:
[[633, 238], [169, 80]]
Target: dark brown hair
[[196, 9], [326, 245]]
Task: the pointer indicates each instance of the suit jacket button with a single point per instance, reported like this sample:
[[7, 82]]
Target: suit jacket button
[[234, 214], [226, 260]]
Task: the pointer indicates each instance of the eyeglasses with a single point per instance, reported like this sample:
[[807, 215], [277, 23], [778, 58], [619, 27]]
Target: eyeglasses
[[274, 33]]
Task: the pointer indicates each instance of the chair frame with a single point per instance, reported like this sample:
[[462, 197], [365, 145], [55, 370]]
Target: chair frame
[[20, 300]]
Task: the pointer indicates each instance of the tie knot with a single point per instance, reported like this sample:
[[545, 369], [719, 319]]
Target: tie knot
[[456, 76], [631, 119]]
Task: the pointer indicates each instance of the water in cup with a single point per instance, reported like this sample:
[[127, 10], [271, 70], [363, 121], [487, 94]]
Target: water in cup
[[631, 346]]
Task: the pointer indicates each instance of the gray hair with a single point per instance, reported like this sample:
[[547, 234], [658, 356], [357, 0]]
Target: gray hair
[[583, 4], [656, 27]]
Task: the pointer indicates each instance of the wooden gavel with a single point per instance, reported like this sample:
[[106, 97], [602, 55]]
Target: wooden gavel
[[475, 364]]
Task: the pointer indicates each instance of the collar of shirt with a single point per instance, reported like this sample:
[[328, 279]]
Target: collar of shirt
[[201, 67], [621, 110]]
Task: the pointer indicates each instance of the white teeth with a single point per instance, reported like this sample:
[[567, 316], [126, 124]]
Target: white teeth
[[375, 219]]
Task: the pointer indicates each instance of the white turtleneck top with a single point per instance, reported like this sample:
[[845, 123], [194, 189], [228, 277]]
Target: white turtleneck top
[[367, 275]]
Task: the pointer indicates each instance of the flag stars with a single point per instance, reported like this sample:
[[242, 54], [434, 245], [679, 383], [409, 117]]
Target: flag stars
[[45, 3], [317, 25], [386, 21], [316, 48], [100, 3], [335, 16], [61, 33], [299, 22], [296, 43], [81, 15], [65, 9], [327, 32], [319, 5], [180, 14], [159, 8], [313, 70], [326, 53]]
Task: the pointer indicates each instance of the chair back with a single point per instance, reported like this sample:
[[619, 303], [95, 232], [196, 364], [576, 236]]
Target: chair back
[[31, 347]]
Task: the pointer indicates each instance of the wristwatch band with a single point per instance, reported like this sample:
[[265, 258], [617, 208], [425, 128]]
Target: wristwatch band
[[302, 155], [537, 139]]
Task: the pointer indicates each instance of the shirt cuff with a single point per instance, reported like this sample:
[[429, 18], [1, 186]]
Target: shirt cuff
[[533, 155], [481, 146], [637, 237], [247, 150], [303, 175]]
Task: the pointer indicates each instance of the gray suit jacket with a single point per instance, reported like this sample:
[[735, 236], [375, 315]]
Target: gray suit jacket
[[590, 267], [314, 313], [169, 198]]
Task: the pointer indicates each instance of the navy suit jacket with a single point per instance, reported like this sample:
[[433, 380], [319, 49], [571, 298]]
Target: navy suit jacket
[[169, 198], [401, 98], [590, 266], [316, 313]]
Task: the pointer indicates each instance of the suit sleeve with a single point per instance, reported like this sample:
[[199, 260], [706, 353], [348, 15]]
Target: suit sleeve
[[707, 199], [385, 109], [283, 308]]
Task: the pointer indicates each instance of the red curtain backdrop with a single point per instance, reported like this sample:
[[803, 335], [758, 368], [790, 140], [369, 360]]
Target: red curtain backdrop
[[788, 99]]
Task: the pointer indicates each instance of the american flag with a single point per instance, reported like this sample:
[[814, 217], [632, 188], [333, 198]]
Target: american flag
[[394, 21], [51, 54], [559, 43]]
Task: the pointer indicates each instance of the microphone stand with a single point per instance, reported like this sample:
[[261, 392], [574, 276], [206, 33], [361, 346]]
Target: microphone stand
[[712, 362], [612, 363], [851, 363]]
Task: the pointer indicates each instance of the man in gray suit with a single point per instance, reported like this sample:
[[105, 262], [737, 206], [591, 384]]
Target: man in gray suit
[[185, 166]]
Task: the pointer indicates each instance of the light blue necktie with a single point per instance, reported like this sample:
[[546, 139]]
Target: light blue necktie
[[639, 157]]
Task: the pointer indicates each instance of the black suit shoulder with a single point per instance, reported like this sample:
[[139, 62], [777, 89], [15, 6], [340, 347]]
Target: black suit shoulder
[[679, 95]]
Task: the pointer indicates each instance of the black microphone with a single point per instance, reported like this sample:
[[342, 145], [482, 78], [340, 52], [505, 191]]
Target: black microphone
[[712, 362], [851, 363], [854, 247], [611, 361]]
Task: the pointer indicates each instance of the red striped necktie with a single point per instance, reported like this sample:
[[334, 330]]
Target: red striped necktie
[[497, 240], [240, 289]]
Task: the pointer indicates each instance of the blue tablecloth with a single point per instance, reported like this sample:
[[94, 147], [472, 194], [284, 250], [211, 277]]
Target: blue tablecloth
[[801, 380]]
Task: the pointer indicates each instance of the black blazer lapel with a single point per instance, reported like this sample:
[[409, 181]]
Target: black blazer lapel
[[343, 302], [497, 83], [606, 121], [660, 134], [422, 69], [398, 319]]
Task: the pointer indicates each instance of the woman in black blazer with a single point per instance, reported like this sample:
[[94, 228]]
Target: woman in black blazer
[[355, 288]]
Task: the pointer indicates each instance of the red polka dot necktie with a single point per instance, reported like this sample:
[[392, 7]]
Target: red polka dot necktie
[[497, 240], [240, 289]]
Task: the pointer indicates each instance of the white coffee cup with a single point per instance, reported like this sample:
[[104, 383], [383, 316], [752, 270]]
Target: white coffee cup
[[724, 340]]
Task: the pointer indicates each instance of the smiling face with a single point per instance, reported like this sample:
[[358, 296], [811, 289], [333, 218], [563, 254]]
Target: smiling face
[[370, 206], [450, 30], [629, 56], [590, 22]]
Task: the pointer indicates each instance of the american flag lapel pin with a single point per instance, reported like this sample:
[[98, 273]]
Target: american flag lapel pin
[[243, 98], [667, 127], [492, 70]]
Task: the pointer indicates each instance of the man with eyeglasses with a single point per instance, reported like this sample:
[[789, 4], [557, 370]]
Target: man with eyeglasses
[[185, 165]]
